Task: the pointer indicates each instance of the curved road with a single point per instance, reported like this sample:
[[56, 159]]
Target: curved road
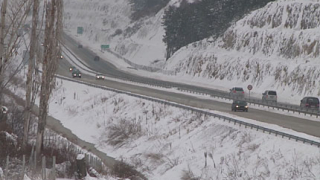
[[110, 70], [290, 122]]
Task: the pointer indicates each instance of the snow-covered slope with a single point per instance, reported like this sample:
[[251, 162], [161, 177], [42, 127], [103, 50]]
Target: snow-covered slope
[[273, 47], [166, 142], [108, 22]]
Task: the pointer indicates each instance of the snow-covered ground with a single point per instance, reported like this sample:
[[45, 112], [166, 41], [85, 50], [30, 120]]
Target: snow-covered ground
[[170, 143], [86, 178], [165, 142]]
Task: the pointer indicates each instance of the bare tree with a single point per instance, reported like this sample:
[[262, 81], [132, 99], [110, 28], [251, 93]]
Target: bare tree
[[52, 35], [13, 17], [33, 43], [2, 31]]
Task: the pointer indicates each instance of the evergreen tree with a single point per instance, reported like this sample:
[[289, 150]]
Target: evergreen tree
[[142, 8], [193, 22]]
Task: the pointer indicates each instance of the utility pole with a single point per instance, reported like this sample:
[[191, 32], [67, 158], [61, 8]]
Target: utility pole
[[2, 30], [29, 83]]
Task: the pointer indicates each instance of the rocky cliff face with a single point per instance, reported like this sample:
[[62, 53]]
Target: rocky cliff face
[[274, 47]]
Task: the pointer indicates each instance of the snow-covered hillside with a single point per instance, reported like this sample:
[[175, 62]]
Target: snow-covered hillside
[[108, 22], [275, 47], [166, 142]]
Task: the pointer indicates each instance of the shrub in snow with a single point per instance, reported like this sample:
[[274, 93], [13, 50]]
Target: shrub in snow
[[123, 170], [188, 175], [124, 130], [63, 170], [15, 166], [8, 143], [93, 173]]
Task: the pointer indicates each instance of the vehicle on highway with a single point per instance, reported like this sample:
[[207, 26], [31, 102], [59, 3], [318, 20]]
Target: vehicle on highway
[[72, 68], [79, 46], [236, 92], [96, 58], [61, 57], [309, 103], [100, 76], [239, 105], [269, 96], [76, 73]]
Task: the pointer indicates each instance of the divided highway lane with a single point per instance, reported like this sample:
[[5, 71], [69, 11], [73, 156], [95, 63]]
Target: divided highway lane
[[290, 122], [110, 70]]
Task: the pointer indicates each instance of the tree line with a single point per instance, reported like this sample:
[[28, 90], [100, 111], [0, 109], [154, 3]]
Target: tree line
[[143, 8]]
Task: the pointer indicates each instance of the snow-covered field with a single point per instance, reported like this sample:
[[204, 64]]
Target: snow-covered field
[[165, 142]]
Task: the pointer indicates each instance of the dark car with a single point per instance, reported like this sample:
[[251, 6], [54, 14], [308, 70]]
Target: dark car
[[100, 76], [76, 73], [239, 105], [309, 103], [79, 46], [236, 92], [96, 58]]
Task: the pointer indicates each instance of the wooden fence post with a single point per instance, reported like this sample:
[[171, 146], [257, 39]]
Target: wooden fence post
[[23, 166], [54, 168], [89, 159], [81, 166], [7, 169], [43, 169], [35, 164]]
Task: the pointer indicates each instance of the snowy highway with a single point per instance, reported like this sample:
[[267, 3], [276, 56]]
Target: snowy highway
[[299, 124]]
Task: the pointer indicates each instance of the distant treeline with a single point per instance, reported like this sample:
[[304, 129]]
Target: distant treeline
[[142, 8], [192, 22]]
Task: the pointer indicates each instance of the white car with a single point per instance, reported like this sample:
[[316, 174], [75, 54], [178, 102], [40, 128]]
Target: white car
[[100, 76], [269, 96]]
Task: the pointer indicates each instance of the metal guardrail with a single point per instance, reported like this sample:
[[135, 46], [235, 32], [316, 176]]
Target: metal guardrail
[[273, 105], [224, 118], [284, 107]]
